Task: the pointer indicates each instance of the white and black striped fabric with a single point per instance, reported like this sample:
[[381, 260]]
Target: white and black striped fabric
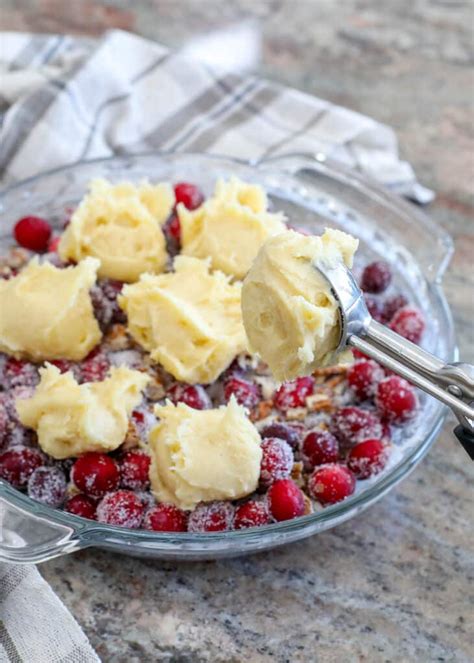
[[63, 100]]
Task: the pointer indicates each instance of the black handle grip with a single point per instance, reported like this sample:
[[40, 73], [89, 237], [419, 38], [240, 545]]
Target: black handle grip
[[466, 438]]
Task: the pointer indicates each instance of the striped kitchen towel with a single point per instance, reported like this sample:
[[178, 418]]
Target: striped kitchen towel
[[64, 99]]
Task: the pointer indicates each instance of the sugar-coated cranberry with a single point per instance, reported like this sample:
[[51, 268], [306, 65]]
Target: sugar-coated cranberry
[[375, 307], [188, 194], [352, 424], [95, 474], [363, 377], [33, 233], [211, 517], [277, 461], [122, 507], [319, 447], [81, 505], [358, 354], [18, 464], [246, 393], [94, 368], [192, 395], [367, 458], [331, 483], [396, 399], [294, 394], [19, 373], [134, 466], [53, 244], [48, 485], [409, 322], [166, 518], [62, 364], [392, 305], [285, 500], [376, 277], [285, 432], [253, 513], [4, 423]]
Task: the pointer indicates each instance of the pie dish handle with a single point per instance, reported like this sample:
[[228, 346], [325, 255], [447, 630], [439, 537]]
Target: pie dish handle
[[438, 246], [30, 535]]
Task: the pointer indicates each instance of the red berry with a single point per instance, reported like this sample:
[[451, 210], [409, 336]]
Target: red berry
[[358, 354], [392, 305], [367, 458], [252, 514], [166, 518], [285, 500], [19, 373], [18, 464], [4, 423], [246, 393], [134, 466], [188, 194], [376, 277], [173, 228], [319, 447], [95, 474], [363, 377], [53, 244], [331, 483], [285, 432], [375, 307], [211, 517], [396, 399], [63, 365], [409, 323], [293, 394], [277, 461], [33, 233], [48, 486], [81, 505], [352, 424], [192, 395], [94, 368], [123, 508]]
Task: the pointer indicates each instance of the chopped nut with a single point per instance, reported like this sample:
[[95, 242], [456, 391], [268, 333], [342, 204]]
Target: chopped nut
[[296, 413], [262, 410], [155, 391], [335, 381], [132, 439], [308, 505], [117, 338], [297, 473], [331, 370], [318, 402]]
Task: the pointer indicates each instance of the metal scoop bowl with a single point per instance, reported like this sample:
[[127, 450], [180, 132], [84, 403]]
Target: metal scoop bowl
[[452, 384]]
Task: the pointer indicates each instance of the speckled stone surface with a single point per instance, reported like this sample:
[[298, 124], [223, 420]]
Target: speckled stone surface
[[396, 584]]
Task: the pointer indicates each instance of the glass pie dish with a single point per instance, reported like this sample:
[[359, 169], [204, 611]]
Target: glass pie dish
[[314, 193]]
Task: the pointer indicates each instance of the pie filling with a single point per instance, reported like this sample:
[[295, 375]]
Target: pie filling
[[129, 393]]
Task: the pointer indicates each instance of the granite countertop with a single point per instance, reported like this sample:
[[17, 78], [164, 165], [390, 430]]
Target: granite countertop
[[395, 584]]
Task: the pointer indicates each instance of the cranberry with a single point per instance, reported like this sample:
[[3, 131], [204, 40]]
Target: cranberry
[[392, 305], [18, 464], [33, 233], [212, 517], [396, 399], [363, 377], [246, 393], [320, 446], [62, 364], [277, 461], [192, 395], [367, 458], [409, 322], [352, 424], [173, 228], [81, 505], [48, 486], [134, 466], [331, 483], [53, 244], [19, 373], [253, 513], [376, 277], [375, 307], [188, 194], [4, 422], [123, 508], [95, 474], [285, 499], [166, 518], [284, 431], [94, 368], [293, 394], [358, 354]]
